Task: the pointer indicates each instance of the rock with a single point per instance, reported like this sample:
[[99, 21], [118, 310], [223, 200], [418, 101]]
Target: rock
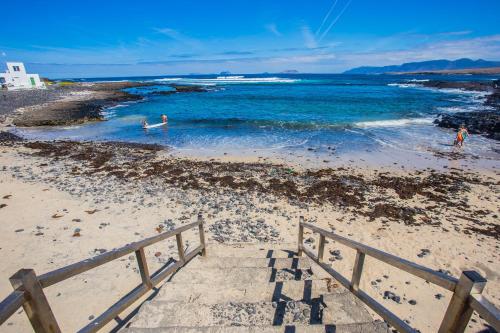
[[412, 302]]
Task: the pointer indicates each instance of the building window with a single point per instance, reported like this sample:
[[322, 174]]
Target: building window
[[16, 68]]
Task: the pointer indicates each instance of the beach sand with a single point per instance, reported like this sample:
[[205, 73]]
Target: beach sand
[[64, 202]]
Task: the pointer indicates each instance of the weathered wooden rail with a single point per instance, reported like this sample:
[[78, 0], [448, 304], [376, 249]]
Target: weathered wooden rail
[[28, 287], [466, 290]]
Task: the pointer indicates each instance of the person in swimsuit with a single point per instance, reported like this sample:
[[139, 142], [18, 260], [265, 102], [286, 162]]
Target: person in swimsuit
[[462, 134], [144, 124], [164, 118]]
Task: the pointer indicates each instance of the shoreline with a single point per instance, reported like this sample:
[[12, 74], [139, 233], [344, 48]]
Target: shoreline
[[86, 198]]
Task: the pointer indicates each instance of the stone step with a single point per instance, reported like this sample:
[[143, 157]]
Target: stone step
[[226, 262], [253, 250], [210, 293], [371, 327], [233, 275], [336, 309]]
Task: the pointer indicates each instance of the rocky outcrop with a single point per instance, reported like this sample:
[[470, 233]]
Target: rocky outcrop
[[487, 123], [74, 104], [469, 85], [480, 122]]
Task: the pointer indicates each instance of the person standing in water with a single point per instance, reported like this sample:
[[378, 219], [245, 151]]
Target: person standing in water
[[462, 134], [164, 118], [144, 124]]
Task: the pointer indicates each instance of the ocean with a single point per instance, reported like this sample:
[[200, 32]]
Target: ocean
[[306, 115]]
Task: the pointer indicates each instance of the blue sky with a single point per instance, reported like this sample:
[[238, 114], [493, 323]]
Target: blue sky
[[121, 38]]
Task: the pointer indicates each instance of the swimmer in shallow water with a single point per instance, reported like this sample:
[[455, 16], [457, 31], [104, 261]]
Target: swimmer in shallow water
[[144, 124], [164, 118]]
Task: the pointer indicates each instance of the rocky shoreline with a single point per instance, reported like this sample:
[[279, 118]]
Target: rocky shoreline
[[485, 122], [72, 103], [65, 104]]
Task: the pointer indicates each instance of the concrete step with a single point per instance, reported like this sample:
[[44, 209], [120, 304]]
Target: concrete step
[[210, 293], [336, 309], [235, 275], [372, 327], [258, 250], [226, 262]]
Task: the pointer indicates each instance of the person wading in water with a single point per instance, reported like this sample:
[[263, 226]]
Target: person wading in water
[[462, 134]]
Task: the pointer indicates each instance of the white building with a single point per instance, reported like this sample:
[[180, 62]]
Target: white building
[[16, 78]]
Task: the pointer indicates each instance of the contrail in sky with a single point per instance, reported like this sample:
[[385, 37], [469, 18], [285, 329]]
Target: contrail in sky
[[334, 21], [326, 17]]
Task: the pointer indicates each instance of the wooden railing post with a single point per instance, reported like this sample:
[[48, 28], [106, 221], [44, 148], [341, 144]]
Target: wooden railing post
[[37, 307], [357, 270], [458, 314], [180, 248], [202, 235], [321, 247], [143, 267], [301, 236]]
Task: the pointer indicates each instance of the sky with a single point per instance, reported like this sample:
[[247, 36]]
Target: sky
[[65, 39]]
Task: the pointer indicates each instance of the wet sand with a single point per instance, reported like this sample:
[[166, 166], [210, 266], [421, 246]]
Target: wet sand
[[65, 201]]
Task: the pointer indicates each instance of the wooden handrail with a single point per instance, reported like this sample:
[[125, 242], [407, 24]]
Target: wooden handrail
[[486, 310], [467, 290], [11, 304], [66, 272], [423, 272], [29, 293]]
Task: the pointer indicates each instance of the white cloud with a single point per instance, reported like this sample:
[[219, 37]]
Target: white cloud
[[4, 54], [178, 36], [486, 47], [273, 29], [309, 39]]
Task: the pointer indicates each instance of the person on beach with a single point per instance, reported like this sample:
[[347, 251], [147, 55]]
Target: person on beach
[[462, 134], [164, 118]]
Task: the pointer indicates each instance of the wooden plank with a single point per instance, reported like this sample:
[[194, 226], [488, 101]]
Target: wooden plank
[[425, 273], [301, 236], [171, 269], [321, 247], [458, 314], [66, 272], [180, 248], [11, 304], [383, 312], [486, 310], [37, 307], [134, 295], [391, 318], [202, 235], [115, 310], [143, 267], [357, 270]]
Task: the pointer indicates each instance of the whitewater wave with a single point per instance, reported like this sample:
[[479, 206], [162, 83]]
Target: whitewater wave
[[404, 85], [394, 122], [228, 80]]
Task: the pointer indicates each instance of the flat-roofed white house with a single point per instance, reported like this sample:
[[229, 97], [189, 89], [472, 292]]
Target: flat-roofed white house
[[15, 77]]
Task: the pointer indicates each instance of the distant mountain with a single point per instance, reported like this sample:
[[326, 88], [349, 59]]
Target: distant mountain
[[431, 65]]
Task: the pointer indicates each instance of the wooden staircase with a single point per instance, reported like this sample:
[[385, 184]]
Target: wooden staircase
[[253, 288]]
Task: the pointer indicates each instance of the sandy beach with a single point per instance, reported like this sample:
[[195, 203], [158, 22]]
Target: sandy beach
[[65, 201]]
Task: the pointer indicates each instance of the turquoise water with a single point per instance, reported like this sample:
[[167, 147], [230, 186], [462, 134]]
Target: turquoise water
[[286, 113]]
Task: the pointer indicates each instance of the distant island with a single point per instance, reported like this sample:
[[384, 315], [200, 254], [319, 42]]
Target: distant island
[[442, 66], [290, 71]]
